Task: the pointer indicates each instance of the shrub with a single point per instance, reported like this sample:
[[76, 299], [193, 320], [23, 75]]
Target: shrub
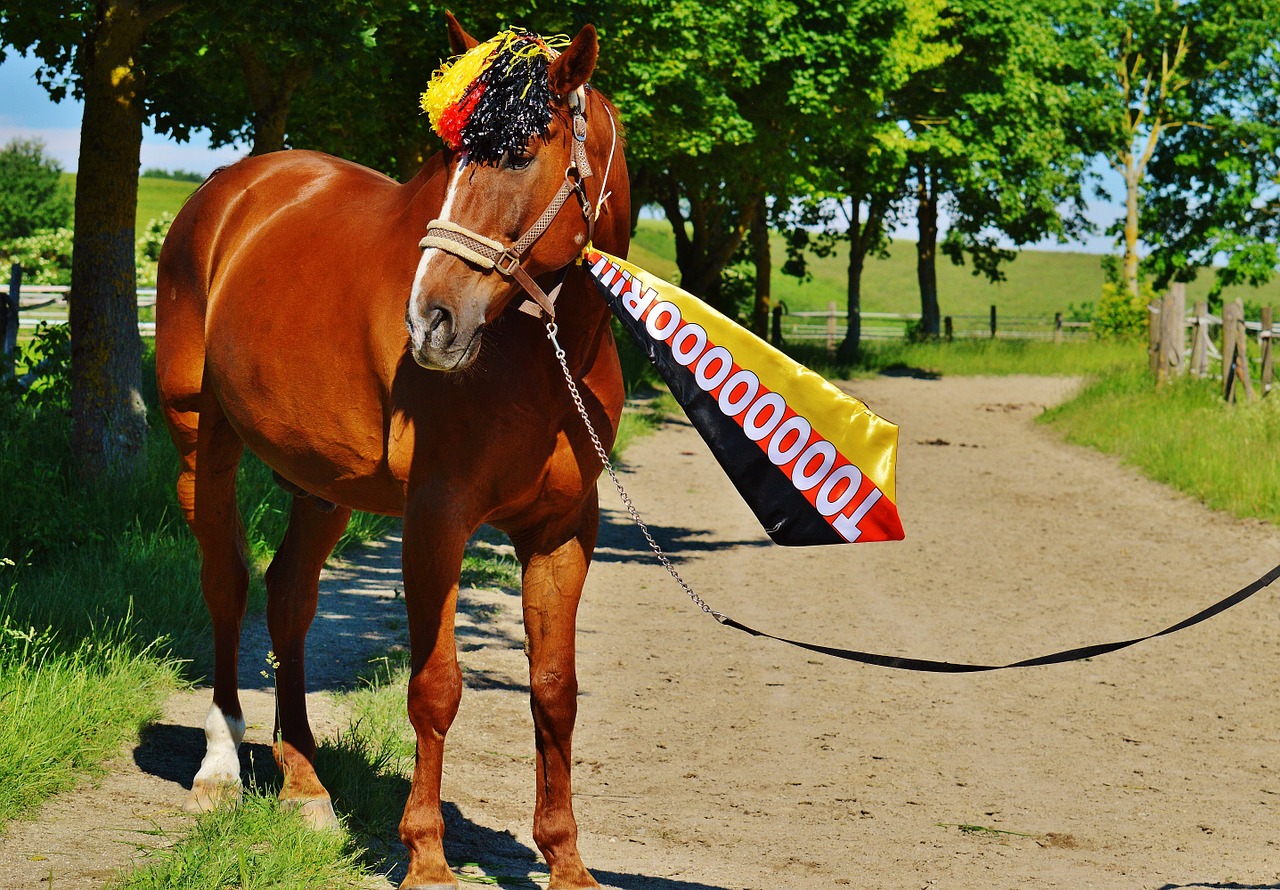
[[178, 174], [1119, 315], [32, 197], [150, 240], [45, 257]]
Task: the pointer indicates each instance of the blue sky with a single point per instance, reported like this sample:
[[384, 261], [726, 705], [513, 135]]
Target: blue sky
[[27, 111]]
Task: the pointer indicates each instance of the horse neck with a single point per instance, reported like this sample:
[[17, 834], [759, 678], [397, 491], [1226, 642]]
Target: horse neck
[[612, 233]]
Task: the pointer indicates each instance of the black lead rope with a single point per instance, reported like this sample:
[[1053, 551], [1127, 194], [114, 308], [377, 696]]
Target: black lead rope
[[946, 667]]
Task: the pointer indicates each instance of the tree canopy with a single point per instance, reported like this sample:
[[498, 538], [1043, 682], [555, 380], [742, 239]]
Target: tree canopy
[[830, 120]]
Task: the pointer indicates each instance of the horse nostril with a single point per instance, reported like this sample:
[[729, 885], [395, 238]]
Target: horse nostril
[[437, 318], [440, 327]]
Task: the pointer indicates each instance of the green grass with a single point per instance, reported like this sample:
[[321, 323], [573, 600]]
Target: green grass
[[253, 846], [1039, 282], [974, 357], [106, 577], [66, 708], [1185, 436], [366, 768]]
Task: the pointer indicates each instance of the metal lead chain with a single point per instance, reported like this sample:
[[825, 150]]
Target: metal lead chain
[[552, 330]]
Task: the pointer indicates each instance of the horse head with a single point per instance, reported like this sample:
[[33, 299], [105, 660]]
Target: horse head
[[528, 152]]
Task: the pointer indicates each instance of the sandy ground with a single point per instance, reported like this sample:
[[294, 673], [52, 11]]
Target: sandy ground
[[709, 759]]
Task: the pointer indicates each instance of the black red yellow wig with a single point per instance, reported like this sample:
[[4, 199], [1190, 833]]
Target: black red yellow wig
[[494, 99]]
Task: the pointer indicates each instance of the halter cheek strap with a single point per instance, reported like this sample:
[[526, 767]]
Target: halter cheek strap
[[491, 255]]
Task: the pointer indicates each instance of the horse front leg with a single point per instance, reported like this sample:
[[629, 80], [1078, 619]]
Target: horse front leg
[[432, 561], [555, 565]]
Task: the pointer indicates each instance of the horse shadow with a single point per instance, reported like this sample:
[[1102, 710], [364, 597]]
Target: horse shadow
[[369, 794], [1221, 885], [621, 540]]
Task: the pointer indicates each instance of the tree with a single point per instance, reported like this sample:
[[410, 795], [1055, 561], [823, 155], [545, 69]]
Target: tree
[[1215, 195], [856, 153], [32, 197], [95, 49], [682, 74], [254, 60], [366, 108], [993, 142]]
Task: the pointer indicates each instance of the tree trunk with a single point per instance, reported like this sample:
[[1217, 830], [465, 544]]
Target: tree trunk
[[270, 95], [851, 347], [764, 271], [703, 254], [109, 421], [1131, 177], [927, 252]]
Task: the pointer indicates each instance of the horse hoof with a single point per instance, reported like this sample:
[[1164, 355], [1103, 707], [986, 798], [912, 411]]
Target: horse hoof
[[209, 794], [317, 812]]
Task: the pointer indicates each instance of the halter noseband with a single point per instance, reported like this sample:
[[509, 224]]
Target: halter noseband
[[491, 255]]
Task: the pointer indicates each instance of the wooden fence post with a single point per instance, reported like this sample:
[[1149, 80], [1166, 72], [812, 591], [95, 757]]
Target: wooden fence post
[[1173, 311], [1200, 341], [948, 328], [993, 322], [1235, 354], [1153, 338], [777, 325], [1057, 328], [9, 323], [831, 328], [1267, 337]]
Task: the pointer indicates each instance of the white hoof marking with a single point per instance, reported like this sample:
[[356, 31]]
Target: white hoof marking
[[218, 779]]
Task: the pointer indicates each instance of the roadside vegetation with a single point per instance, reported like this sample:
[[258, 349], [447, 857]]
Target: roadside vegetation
[[1184, 435]]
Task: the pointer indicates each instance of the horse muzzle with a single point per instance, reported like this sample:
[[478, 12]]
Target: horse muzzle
[[440, 341]]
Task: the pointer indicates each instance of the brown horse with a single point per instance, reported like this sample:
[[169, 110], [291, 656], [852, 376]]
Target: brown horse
[[286, 285]]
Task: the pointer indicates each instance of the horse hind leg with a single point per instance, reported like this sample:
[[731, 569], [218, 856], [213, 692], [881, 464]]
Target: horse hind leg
[[292, 594], [207, 494]]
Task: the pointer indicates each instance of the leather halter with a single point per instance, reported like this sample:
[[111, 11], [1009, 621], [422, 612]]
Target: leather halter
[[491, 255]]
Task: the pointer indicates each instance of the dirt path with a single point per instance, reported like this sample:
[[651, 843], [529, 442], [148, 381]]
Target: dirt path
[[708, 759]]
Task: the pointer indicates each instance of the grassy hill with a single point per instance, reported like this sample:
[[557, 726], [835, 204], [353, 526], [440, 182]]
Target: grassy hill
[[1039, 282]]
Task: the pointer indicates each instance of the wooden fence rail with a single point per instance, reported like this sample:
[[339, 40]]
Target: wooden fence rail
[[830, 324], [1168, 354], [27, 306]]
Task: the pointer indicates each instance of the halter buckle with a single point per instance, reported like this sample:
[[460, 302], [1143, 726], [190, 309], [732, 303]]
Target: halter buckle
[[506, 263]]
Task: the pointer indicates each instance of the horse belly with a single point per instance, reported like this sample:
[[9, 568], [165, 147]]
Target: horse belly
[[307, 402]]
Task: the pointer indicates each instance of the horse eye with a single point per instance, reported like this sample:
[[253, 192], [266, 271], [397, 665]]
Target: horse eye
[[517, 160]]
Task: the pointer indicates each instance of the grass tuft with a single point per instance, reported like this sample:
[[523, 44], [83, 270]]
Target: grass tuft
[[258, 844], [65, 709]]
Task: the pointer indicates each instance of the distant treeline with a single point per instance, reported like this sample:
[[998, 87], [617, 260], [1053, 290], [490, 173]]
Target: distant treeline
[[180, 175]]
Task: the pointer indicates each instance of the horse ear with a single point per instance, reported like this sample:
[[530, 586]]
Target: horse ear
[[459, 40], [573, 67]]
